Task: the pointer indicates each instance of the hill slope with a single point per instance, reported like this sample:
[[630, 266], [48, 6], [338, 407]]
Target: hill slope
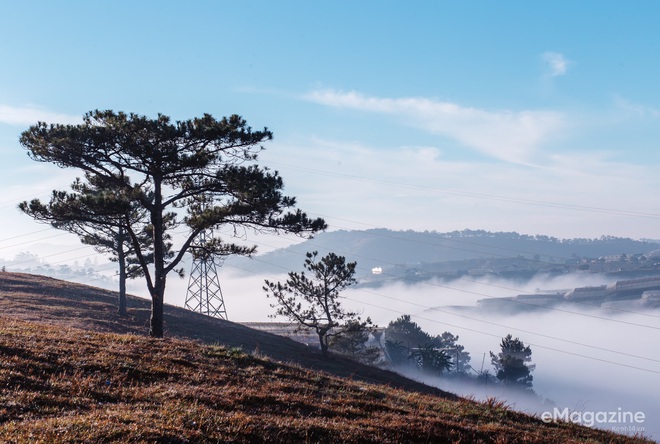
[[65, 304], [64, 377]]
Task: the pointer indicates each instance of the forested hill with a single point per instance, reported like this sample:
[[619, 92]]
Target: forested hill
[[382, 247]]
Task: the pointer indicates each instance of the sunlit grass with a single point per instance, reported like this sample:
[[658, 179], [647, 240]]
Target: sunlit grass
[[73, 385]]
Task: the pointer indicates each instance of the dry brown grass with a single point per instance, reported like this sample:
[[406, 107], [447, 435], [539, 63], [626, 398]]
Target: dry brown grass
[[66, 378]]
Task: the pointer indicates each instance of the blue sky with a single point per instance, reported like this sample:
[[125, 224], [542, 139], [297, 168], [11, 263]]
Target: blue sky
[[430, 115]]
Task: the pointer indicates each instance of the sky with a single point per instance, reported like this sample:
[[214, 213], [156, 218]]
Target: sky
[[504, 116], [535, 117]]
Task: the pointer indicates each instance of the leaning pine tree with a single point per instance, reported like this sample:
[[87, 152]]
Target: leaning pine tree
[[194, 174], [100, 218]]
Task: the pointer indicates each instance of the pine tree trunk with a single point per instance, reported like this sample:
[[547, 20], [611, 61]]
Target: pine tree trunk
[[158, 292], [121, 259], [156, 321], [121, 298], [323, 340]]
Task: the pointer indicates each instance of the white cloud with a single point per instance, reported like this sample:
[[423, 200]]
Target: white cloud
[[636, 109], [29, 115], [556, 63], [357, 186], [507, 135]]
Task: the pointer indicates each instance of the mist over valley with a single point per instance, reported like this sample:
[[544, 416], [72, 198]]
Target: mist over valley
[[594, 353]]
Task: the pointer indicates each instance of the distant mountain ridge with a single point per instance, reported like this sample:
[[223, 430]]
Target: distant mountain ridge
[[388, 248]]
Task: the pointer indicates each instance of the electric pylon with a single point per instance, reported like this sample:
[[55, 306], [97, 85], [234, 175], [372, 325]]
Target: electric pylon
[[204, 293]]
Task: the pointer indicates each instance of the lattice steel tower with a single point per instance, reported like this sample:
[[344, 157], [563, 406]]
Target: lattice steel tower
[[204, 292]]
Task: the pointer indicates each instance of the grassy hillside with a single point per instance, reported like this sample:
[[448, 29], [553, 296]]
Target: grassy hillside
[[72, 371], [51, 301]]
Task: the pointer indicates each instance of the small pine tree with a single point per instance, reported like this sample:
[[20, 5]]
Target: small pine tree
[[449, 343], [314, 302], [512, 363], [351, 340], [407, 332], [430, 359], [405, 339], [397, 353]]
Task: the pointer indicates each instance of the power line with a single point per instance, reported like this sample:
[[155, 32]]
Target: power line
[[36, 240], [499, 325], [528, 304], [472, 319], [27, 234], [509, 327], [469, 292], [528, 343], [474, 195], [497, 336], [57, 254], [515, 301], [453, 288], [474, 281], [454, 240]]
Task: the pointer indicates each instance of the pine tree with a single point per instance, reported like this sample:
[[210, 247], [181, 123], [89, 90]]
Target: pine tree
[[188, 176], [512, 363], [314, 302]]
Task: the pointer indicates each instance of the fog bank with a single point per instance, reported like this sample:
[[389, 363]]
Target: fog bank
[[587, 359]]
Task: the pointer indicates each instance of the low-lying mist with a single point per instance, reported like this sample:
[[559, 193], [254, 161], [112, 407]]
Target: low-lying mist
[[587, 359]]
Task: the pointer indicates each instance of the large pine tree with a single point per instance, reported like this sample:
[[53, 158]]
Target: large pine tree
[[188, 176]]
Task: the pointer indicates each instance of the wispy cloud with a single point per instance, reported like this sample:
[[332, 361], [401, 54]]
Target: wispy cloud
[[555, 63], [508, 135], [29, 115], [355, 185], [636, 109]]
